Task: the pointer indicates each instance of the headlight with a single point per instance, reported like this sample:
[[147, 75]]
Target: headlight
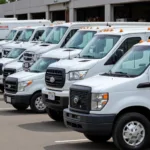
[[23, 85], [77, 75], [99, 101]]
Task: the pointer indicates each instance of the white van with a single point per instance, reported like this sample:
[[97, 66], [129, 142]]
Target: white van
[[16, 54], [6, 26], [115, 104], [31, 95], [59, 36], [31, 36], [13, 35], [102, 52]]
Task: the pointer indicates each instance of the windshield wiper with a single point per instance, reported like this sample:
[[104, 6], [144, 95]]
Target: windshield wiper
[[122, 74], [87, 56], [36, 71], [74, 47], [49, 42]]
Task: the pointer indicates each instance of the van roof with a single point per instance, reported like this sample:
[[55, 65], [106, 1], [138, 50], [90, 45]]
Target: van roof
[[34, 27], [93, 28], [129, 24], [26, 27], [82, 23], [25, 21], [144, 43], [124, 31]]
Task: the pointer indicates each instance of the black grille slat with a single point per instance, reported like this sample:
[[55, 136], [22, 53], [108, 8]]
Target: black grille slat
[[58, 75], [83, 94], [8, 71], [28, 56], [11, 85], [1, 67]]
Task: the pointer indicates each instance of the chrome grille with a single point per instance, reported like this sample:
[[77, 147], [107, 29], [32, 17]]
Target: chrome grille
[[11, 85], [28, 56], [80, 99], [58, 76]]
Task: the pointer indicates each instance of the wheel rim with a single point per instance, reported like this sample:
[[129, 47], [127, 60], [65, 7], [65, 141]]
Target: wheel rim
[[134, 133], [39, 104]]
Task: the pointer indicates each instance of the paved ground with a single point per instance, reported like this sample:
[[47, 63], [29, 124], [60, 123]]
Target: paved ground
[[28, 131]]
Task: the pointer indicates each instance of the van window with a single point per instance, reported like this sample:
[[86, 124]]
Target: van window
[[18, 35], [129, 42], [26, 35], [11, 35], [69, 36], [45, 34], [134, 63], [124, 47], [16, 52], [56, 35], [99, 46], [37, 35], [42, 64], [80, 39]]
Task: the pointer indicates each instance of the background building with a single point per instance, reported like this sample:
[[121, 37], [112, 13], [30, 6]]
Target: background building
[[78, 10]]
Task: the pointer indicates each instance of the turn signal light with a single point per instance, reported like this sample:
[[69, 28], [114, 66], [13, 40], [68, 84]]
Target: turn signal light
[[121, 30], [141, 41]]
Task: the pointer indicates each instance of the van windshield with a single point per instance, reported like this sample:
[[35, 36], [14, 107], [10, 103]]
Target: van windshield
[[99, 46], [42, 64], [45, 34], [26, 35], [80, 39], [15, 53], [11, 35], [56, 35], [134, 63]]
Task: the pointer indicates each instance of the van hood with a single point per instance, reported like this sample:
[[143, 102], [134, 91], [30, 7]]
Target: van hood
[[15, 65], [6, 61], [100, 83], [18, 45], [75, 64], [42, 48], [25, 76], [4, 42], [63, 53]]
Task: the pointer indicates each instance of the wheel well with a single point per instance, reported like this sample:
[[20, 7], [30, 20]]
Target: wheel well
[[139, 109], [35, 93]]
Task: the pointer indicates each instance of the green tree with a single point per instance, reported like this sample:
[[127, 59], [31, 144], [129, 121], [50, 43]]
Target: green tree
[[2, 1]]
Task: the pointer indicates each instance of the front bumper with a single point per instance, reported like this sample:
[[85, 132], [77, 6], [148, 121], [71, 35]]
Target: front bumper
[[60, 102], [89, 123], [17, 99]]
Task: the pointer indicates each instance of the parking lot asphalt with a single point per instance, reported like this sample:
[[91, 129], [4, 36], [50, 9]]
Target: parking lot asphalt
[[29, 131]]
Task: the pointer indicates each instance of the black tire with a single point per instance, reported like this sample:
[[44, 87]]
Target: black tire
[[55, 115], [33, 105], [97, 138], [20, 107], [120, 125]]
